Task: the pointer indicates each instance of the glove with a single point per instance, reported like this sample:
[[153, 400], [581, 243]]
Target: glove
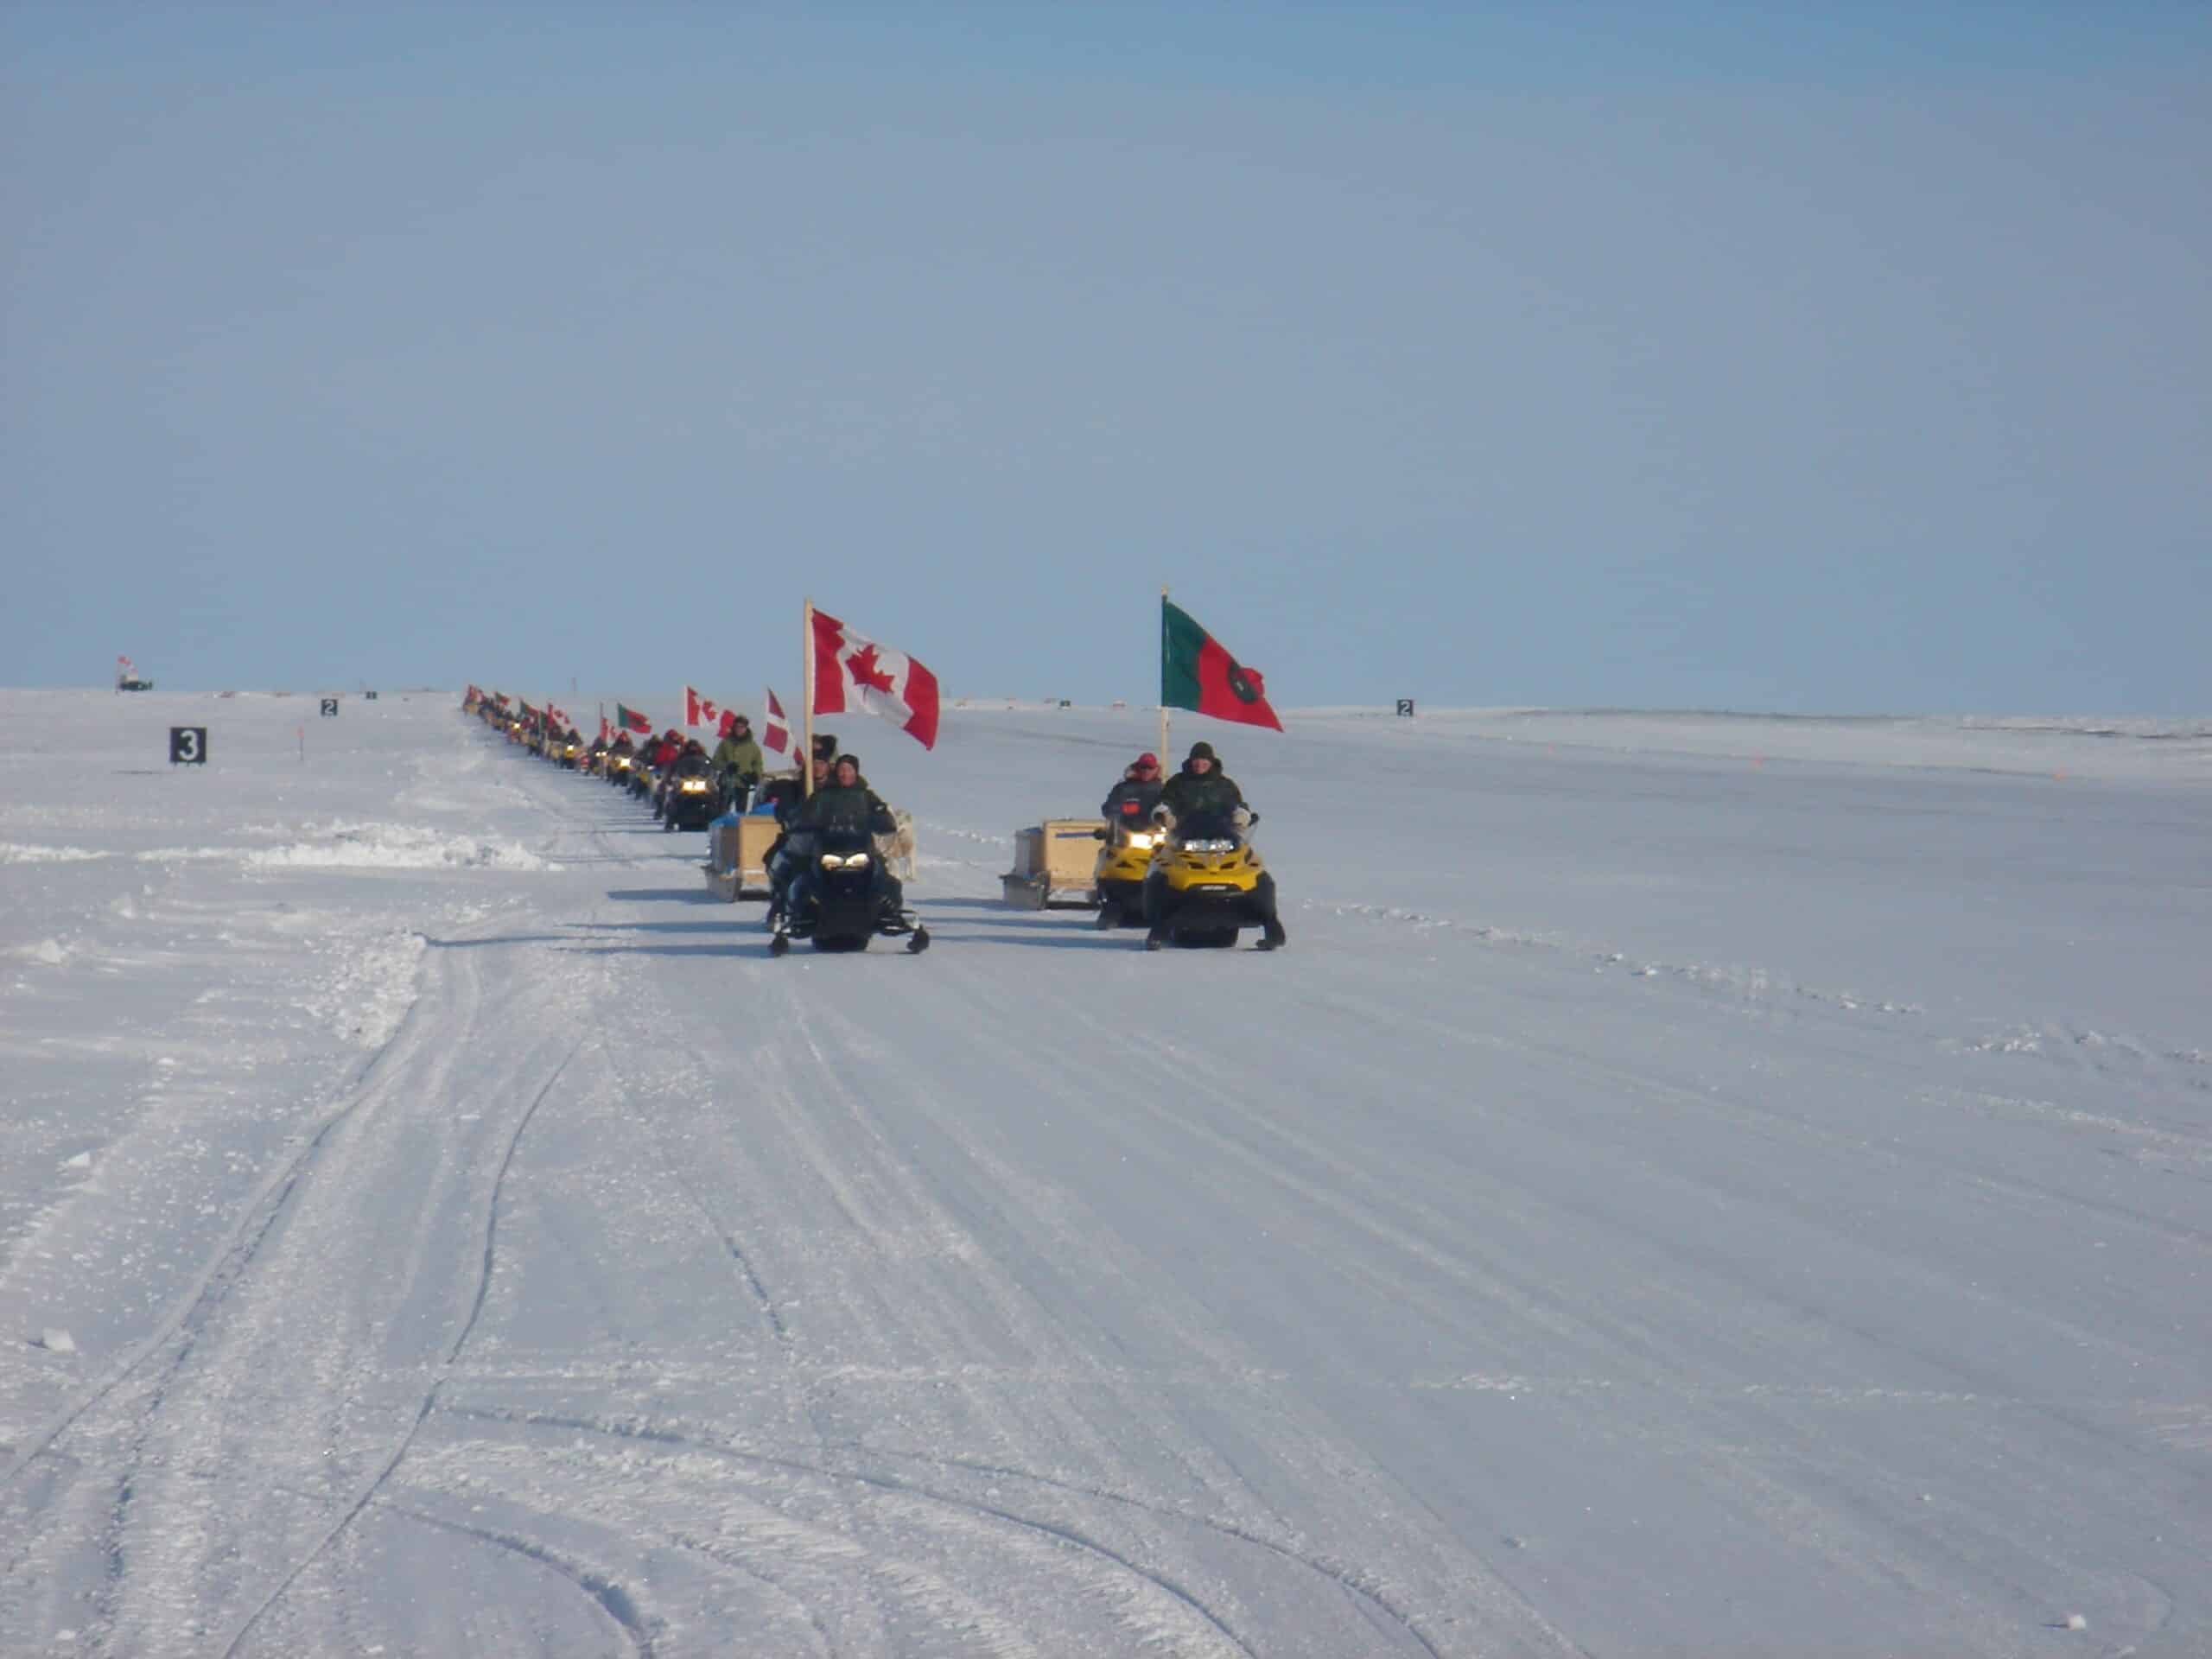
[[1162, 817], [1242, 817]]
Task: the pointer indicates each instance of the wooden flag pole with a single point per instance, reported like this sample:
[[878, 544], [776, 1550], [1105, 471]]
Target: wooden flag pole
[[806, 695]]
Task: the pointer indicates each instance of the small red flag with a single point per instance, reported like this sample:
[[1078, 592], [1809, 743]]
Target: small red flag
[[698, 711], [775, 731]]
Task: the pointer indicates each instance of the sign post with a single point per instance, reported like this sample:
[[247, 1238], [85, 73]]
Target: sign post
[[330, 708], [1405, 708], [187, 745]]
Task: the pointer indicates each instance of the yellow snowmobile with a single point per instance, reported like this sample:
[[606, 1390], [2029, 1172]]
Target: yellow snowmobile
[[1206, 882], [1123, 862]]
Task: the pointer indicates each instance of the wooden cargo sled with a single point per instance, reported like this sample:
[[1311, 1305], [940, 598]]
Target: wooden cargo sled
[[1055, 863]]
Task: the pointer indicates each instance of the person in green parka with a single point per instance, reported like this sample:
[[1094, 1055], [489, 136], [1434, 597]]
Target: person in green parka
[[738, 763]]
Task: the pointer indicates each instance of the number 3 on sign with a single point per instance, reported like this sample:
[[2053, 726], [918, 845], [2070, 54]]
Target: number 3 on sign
[[187, 745]]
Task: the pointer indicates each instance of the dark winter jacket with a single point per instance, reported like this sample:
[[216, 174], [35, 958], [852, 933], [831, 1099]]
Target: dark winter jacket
[[1188, 795], [851, 807], [1130, 802], [789, 795]]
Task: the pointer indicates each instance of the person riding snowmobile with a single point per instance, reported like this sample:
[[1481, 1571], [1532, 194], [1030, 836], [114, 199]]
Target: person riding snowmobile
[[1201, 791], [688, 794], [1201, 787], [1125, 855], [783, 858], [846, 802], [1131, 800]]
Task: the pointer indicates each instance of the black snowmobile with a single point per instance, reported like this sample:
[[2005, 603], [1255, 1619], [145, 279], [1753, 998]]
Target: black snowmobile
[[689, 800], [841, 897]]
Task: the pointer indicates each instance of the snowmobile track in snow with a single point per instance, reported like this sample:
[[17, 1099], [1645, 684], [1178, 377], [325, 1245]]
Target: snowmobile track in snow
[[430, 1399], [229, 1262]]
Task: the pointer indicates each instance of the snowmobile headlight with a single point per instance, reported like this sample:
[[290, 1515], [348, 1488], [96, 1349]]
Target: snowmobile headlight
[[844, 862], [693, 785], [1208, 846], [1139, 841]]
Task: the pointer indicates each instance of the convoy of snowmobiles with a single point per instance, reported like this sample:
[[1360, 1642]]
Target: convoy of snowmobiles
[[1173, 857]]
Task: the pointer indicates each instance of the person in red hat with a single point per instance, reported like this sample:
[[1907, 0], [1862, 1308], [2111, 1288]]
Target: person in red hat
[[1131, 800]]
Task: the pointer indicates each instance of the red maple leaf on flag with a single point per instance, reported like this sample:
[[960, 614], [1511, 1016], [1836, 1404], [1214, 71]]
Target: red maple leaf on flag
[[866, 670]]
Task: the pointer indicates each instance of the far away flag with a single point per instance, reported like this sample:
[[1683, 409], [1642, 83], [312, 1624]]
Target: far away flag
[[775, 728], [698, 711], [851, 672], [1195, 672], [630, 720]]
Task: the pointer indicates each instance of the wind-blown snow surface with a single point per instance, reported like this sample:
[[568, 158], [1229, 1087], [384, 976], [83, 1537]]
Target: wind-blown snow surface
[[1692, 1185]]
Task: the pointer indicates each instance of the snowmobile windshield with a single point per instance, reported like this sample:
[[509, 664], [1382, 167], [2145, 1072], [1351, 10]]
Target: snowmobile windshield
[[843, 838], [1207, 826]]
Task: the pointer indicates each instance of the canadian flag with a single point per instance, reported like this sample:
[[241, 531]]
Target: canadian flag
[[851, 672], [775, 728], [700, 711]]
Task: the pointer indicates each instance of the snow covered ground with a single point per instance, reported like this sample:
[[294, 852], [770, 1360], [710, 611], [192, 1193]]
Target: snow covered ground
[[1694, 1184]]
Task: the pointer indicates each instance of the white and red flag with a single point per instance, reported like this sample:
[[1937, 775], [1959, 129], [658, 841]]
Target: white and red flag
[[776, 729], [856, 673], [701, 711]]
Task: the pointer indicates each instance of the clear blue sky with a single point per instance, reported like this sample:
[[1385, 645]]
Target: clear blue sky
[[1631, 355]]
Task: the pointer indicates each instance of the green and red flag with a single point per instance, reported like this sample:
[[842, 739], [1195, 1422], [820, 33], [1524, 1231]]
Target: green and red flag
[[1195, 672], [630, 720]]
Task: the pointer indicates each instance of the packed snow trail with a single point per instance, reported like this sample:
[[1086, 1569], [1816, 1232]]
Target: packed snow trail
[[1503, 1269]]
